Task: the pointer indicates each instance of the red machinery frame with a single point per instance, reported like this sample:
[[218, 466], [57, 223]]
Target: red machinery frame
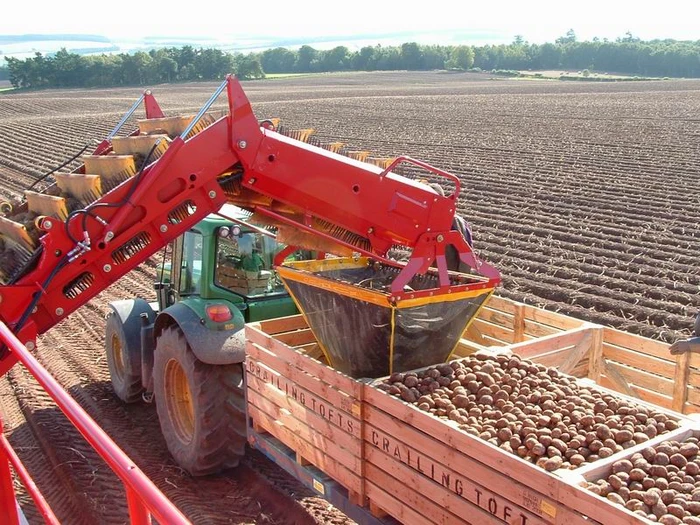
[[289, 181]]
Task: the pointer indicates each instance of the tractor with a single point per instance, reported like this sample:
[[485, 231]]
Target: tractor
[[186, 349]]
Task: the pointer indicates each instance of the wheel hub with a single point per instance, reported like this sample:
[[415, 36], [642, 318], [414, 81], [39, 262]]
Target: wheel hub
[[179, 401], [118, 354]]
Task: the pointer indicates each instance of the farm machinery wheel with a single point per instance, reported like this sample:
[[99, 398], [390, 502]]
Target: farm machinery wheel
[[123, 361], [201, 407]]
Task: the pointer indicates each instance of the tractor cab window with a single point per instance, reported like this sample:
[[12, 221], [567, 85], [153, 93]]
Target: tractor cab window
[[191, 264], [244, 262]]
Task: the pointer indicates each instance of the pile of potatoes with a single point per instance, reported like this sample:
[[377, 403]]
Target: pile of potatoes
[[661, 483], [528, 409]]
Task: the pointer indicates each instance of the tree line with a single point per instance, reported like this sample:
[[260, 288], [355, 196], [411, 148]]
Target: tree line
[[630, 55]]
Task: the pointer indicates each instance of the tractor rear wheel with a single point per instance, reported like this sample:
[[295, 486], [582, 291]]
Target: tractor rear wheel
[[123, 361], [201, 407]]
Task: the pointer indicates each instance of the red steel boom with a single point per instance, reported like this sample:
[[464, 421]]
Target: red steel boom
[[341, 201]]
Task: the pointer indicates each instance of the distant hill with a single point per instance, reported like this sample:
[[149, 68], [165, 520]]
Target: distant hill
[[20, 39]]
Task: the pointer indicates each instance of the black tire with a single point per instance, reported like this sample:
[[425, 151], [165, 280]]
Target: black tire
[[123, 361], [201, 407]]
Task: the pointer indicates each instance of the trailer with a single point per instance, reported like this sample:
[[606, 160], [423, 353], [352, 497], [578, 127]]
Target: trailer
[[382, 460]]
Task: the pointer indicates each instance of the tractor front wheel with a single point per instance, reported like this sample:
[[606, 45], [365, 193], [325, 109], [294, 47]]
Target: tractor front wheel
[[123, 361], [201, 407]]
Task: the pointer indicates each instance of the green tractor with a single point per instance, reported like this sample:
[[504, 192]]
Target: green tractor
[[187, 350]]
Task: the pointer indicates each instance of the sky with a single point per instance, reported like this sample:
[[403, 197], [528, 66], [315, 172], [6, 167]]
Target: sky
[[538, 21]]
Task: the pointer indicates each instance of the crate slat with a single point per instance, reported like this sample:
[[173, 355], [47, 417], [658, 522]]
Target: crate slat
[[316, 456]]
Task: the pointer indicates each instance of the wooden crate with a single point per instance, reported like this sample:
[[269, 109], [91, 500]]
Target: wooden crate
[[626, 363], [394, 458], [305, 404], [603, 468]]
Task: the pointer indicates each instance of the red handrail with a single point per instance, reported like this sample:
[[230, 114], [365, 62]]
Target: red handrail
[[9, 453], [143, 497]]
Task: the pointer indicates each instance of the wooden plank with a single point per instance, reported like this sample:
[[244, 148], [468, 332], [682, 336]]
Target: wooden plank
[[502, 304], [546, 317], [337, 427], [382, 503], [534, 347], [663, 367], [578, 352], [313, 436], [289, 362], [694, 361], [595, 355], [465, 348], [254, 334], [553, 359], [617, 379], [472, 333], [635, 376], [519, 323], [297, 337], [419, 502], [486, 329], [321, 460], [282, 324], [581, 369], [680, 384], [641, 394], [426, 463], [291, 380], [635, 342], [322, 372], [535, 330], [694, 396], [690, 409], [694, 378], [496, 317]]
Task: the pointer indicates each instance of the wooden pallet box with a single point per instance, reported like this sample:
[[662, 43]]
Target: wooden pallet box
[[630, 364], [393, 457]]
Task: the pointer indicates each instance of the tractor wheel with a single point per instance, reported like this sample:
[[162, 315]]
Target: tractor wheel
[[201, 407], [123, 361]]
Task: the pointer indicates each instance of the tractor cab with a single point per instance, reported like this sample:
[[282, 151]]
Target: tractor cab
[[221, 259]]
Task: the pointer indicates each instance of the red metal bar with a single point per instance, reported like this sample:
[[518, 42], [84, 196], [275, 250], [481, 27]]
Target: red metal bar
[[437, 171], [28, 482], [8, 503], [138, 513], [132, 476]]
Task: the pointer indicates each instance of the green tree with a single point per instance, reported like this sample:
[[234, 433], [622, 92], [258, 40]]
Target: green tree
[[248, 67], [307, 59], [411, 56], [569, 38], [462, 57], [365, 59], [278, 60], [336, 59]]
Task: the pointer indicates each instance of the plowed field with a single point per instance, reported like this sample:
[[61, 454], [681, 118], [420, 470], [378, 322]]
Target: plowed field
[[585, 196]]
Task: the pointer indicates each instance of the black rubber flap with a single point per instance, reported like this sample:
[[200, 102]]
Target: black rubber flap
[[357, 335]]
